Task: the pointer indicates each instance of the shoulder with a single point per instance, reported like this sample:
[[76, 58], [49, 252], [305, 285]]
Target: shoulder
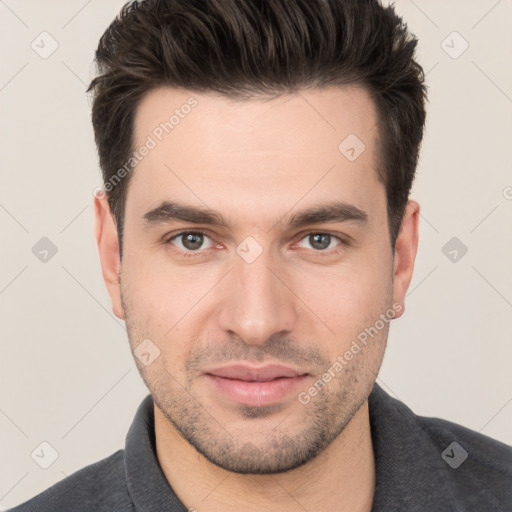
[[475, 461], [100, 487], [488, 452], [427, 463]]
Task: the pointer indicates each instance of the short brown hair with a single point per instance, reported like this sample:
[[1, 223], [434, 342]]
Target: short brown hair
[[249, 48]]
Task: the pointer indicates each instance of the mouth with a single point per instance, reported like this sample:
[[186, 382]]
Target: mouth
[[256, 386]]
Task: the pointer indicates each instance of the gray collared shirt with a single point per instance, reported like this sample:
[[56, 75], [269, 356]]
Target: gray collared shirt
[[423, 464]]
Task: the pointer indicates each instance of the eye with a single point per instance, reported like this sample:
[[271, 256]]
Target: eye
[[190, 241], [321, 241]]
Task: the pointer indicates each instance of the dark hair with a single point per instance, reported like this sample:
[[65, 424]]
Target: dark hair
[[261, 48]]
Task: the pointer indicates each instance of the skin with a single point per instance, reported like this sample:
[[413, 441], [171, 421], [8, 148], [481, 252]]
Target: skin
[[256, 163]]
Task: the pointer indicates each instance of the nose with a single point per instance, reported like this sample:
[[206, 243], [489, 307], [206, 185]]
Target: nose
[[257, 304]]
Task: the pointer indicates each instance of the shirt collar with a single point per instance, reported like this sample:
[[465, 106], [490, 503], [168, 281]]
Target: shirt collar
[[148, 488], [410, 472]]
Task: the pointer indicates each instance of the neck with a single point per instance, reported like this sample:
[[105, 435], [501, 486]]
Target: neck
[[341, 478]]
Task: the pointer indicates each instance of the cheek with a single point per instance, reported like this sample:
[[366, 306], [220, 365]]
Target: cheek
[[151, 279], [348, 299], [165, 303]]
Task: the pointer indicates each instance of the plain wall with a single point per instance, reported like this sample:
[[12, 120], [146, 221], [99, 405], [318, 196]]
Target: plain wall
[[67, 374]]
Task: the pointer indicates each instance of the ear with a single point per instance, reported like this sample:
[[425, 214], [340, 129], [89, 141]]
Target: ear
[[405, 254], [108, 247]]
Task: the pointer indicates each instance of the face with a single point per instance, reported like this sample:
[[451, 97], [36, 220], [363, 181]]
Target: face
[[257, 269]]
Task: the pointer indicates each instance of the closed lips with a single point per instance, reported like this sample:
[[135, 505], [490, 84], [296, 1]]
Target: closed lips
[[264, 374]]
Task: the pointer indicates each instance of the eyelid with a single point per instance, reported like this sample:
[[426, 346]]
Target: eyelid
[[343, 239], [168, 239]]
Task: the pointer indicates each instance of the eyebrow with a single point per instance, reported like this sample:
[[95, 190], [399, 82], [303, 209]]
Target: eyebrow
[[337, 211]]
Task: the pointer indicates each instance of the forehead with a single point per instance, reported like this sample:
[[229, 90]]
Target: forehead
[[221, 124], [207, 145]]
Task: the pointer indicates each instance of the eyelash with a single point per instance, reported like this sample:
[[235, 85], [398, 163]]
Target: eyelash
[[188, 254]]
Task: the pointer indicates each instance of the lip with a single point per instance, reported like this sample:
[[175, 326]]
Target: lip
[[255, 386], [252, 374]]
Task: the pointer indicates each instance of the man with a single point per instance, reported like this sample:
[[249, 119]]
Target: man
[[256, 235]]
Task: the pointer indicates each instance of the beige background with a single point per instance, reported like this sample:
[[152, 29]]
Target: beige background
[[67, 375]]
